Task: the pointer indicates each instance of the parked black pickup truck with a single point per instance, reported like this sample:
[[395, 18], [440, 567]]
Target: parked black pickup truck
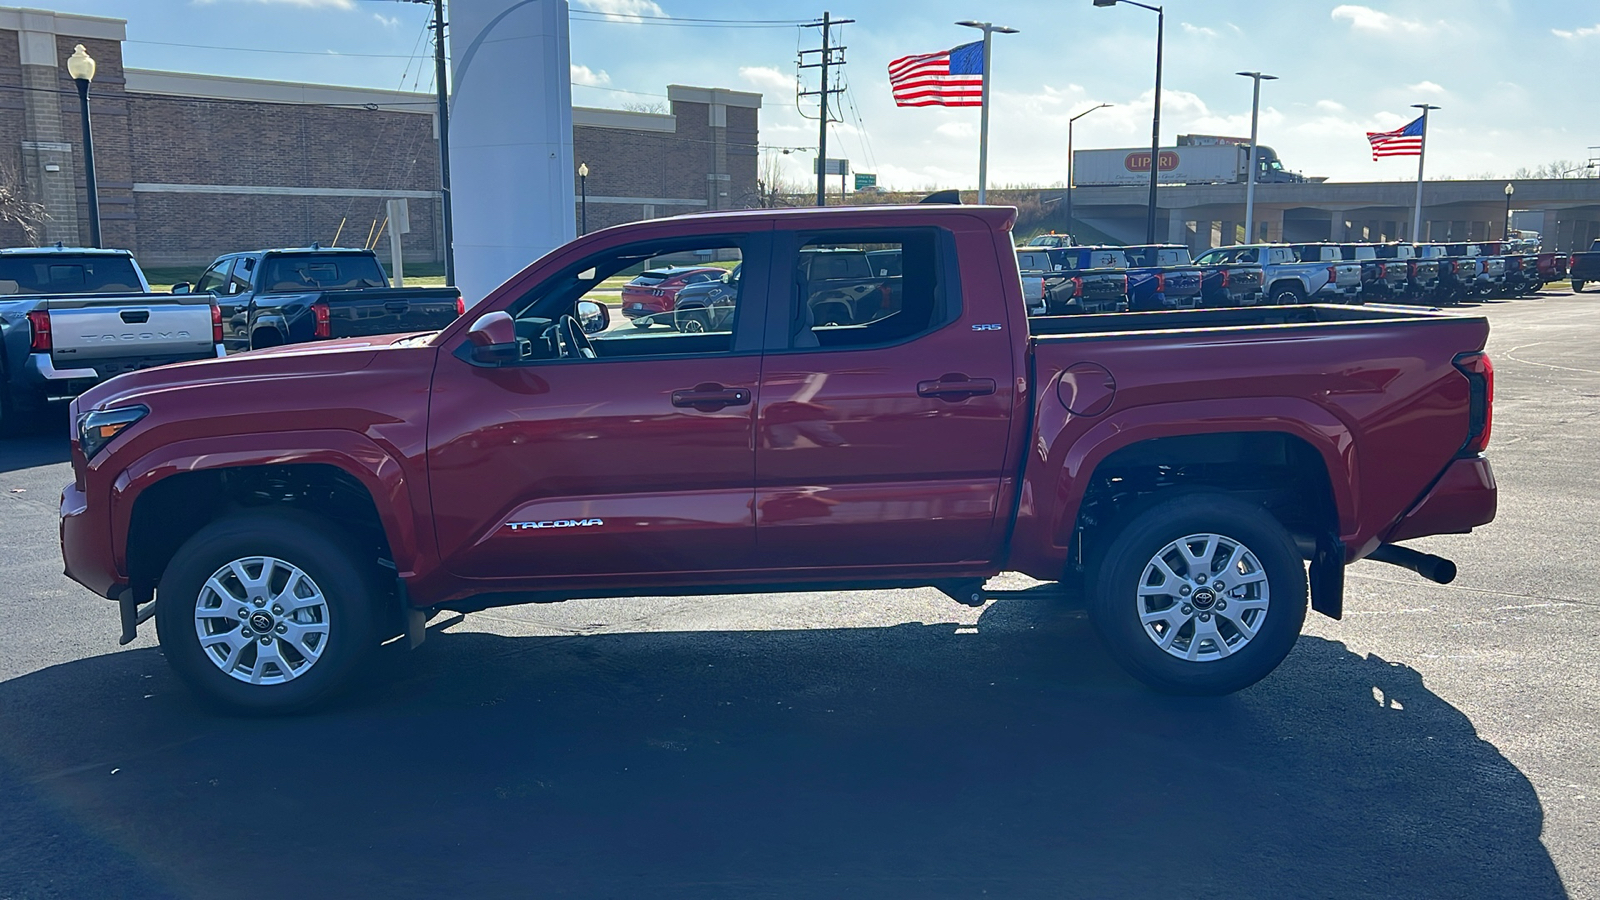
[[272, 297], [1088, 280], [1583, 268]]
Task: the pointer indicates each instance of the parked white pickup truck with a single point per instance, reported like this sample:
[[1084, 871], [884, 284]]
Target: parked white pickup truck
[[71, 318]]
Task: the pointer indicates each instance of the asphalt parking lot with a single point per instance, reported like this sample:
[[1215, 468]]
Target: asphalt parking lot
[[1437, 742]]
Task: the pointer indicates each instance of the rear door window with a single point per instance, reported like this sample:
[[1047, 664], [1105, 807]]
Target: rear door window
[[838, 298], [321, 272]]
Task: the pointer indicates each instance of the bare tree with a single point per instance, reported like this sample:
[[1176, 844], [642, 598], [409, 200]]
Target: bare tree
[[645, 106], [773, 188], [16, 208]]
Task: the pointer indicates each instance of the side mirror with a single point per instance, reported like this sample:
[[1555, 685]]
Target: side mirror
[[593, 317], [183, 287], [494, 339]]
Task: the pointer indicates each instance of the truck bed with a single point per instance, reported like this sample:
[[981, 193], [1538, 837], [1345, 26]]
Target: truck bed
[[1242, 317]]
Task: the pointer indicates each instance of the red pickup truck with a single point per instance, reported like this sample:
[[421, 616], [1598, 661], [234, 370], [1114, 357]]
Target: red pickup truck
[[283, 511]]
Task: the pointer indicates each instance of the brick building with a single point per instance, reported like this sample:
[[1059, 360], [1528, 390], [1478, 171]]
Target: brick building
[[191, 166]]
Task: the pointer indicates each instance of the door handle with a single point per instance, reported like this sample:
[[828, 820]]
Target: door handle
[[710, 397], [397, 307], [954, 387]]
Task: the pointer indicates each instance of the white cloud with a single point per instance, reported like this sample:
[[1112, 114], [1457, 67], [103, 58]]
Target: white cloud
[[309, 4], [1198, 30], [957, 129], [389, 22], [1590, 31], [1331, 106], [623, 10], [587, 76], [1365, 18], [768, 78], [1425, 87]]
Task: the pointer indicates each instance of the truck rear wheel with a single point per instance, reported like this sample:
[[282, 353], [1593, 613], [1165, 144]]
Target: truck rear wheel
[[1287, 295], [1200, 594], [1577, 286], [266, 612]]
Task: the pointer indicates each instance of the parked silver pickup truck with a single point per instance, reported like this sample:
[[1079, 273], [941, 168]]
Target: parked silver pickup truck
[[71, 318]]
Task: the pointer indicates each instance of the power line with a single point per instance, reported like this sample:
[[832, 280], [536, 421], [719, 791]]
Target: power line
[[327, 53]]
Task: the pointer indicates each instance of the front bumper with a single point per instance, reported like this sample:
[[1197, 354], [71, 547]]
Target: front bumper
[[1463, 498], [86, 546]]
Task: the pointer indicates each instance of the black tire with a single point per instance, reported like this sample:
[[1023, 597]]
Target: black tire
[[1287, 295], [347, 585], [1116, 607], [1577, 285]]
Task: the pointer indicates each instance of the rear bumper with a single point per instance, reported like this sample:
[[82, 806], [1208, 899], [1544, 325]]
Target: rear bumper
[[86, 545], [41, 374], [1463, 498]]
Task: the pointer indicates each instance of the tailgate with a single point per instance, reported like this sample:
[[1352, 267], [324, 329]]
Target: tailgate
[[131, 326], [1349, 274], [1244, 280], [363, 313], [1104, 287], [1182, 282]]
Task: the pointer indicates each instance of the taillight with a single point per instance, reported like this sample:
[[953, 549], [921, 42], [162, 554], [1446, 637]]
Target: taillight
[[1077, 287], [461, 306], [1124, 285], [39, 324], [1333, 274], [1572, 262], [1161, 282], [324, 328], [1383, 270], [216, 324], [1411, 270], [1225, 274], [1480, 378]]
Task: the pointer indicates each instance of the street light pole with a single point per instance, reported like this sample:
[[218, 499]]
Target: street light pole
[[1155, 120], [1505, 234], [1069, 160], [583, 194], [988, 28], [80, 65], [1250, 179]]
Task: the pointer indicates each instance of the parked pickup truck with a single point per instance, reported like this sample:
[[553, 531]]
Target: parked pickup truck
[[1458, 275], [1490, 279], [1037, 269], [1094, 280], [272, 297], [1228, 282], [289, 509], [72, 317], [1289, 280], [1344, 277], [1158, 280], [1583, 268], [1381, 278], [1421, 276]]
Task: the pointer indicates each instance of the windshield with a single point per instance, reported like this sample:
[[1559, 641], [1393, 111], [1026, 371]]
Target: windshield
[[326, 271], [59, 273]]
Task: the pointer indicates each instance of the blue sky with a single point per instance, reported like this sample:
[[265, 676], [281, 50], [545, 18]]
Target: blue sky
[[1507, 73]]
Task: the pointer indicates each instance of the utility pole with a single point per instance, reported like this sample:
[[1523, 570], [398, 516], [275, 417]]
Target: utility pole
[[442, 94], [827, 57]]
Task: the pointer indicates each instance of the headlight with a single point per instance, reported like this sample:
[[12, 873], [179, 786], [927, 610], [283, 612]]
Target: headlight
[[97, 429]]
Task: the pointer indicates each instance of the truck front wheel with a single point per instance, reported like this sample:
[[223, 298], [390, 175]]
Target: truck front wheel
[[266, 612], [1200, 594]]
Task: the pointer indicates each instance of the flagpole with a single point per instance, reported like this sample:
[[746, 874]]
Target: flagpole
[[1422, 155], [983, 128]]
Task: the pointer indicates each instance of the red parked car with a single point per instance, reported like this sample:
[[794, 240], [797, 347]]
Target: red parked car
[[655, 291], [293, 507]]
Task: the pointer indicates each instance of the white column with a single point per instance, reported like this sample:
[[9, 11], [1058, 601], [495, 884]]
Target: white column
[[511, 165]]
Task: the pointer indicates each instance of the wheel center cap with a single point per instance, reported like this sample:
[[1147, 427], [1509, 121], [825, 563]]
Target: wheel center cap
[[1203, 598], [261, 622]]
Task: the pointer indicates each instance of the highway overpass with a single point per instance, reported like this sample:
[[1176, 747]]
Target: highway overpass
[[1565, 210]]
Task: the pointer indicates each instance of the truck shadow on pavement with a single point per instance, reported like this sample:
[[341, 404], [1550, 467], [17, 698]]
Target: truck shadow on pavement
[[911, 761], [31, 450]]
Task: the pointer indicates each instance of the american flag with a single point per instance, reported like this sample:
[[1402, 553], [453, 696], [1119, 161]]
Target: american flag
[[947, 78], [1406, 141]]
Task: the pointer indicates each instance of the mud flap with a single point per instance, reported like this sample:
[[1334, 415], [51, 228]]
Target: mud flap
[[128, 604], [1327, 577]]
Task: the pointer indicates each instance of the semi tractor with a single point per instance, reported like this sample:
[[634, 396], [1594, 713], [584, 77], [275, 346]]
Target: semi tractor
[[1214, 164]]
